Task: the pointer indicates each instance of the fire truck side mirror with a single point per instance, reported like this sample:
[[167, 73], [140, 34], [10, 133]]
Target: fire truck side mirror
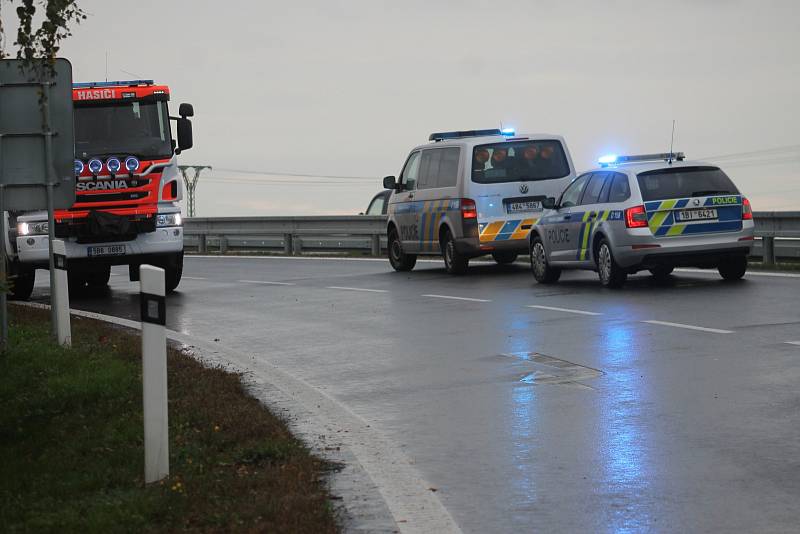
[[184, 135], [186, 110]]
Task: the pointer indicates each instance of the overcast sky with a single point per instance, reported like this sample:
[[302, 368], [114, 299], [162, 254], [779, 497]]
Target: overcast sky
[[347, 88]]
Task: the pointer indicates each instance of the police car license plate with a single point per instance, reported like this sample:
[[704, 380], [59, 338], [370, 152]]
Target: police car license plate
[[520, 207], [696, 215], [106, 250]]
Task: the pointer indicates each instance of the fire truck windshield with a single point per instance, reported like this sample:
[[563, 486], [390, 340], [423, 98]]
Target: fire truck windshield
[[123, 128]]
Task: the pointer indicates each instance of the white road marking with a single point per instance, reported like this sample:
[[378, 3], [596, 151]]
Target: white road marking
[[748, 273], [456, 298], [265, 282], [566, 310], [691, 327], [793, 343], [358, 289], [192, 278]]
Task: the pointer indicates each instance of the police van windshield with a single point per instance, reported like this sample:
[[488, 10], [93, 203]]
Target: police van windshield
[[519, 161], [123, 128], [684, 182]]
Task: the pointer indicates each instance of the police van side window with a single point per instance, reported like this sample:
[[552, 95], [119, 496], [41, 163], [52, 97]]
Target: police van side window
[[593, 189], [429, 168], [573, 193], [438, 168], [448, 167], [620, 190], [410, 172]]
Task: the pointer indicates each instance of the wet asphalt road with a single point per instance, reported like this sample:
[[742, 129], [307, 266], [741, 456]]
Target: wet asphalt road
[[575, 415]]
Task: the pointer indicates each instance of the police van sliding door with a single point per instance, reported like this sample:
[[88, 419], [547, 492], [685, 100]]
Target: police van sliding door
[[438, 174], [406, 213]]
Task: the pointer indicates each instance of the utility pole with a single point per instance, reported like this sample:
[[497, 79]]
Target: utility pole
[[191, 184]]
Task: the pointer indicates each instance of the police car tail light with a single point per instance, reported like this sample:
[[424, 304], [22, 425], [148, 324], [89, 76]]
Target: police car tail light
[[747, 210], [636, 217], [468, 209]]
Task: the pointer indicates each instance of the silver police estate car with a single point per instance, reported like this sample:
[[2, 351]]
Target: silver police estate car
[[652, 212]]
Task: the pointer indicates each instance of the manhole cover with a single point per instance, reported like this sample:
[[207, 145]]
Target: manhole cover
[[551, 370]]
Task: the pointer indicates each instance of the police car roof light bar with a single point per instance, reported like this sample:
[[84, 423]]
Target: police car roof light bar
[[129, 83], [605, 161], [441, 136]]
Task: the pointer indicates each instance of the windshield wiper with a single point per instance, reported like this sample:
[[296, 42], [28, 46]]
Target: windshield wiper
[[709, 192]]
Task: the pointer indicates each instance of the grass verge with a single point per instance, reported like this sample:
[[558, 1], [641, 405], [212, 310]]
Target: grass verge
[[71, 443]]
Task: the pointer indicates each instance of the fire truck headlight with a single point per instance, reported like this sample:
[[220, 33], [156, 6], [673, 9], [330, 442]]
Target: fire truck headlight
[[169, 219], [113, 165], [78, 167], [131, 163], [95, 166], [32, 228]]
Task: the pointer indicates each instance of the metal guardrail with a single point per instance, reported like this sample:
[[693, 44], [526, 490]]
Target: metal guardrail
[[367, 233]]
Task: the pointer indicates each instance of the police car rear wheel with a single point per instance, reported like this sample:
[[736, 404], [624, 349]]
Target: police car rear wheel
[[504, 257], [611, 274], [399, 260], [454, 261], [733, 269], [542, 271]]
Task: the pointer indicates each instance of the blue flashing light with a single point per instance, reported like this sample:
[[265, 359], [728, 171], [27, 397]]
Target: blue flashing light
[[113, 165], [508, 131], [117, 83], [78, 167], [608, 159], [131, 163], [95, 166]]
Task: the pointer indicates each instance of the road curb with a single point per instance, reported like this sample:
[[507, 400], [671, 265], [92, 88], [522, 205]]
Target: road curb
[[381, 490]]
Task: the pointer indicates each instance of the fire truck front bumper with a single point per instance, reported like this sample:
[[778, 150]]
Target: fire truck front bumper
[[33, 250]]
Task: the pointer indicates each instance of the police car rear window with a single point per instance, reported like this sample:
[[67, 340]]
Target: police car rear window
[[684, 182], [519, 161]]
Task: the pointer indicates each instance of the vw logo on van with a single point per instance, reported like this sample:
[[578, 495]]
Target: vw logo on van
[[696, 202], [523, 189]]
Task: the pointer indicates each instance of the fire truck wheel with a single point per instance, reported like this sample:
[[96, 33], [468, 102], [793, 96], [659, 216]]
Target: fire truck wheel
[[99, 277], [21, 280], [173, 271]]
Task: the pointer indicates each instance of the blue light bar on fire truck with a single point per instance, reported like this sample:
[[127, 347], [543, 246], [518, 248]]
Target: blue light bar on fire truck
[[613, 159], [129, 83]]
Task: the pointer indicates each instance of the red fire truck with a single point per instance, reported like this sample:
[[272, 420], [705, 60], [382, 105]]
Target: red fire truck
[[127, 186]]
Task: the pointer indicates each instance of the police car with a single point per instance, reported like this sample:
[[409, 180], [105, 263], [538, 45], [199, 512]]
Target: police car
[[651, 212], [470, 193]]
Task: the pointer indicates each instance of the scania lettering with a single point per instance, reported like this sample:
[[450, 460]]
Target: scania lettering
[[127, 187]]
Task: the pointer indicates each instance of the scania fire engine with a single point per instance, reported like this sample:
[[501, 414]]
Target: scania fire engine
[[127, 189]]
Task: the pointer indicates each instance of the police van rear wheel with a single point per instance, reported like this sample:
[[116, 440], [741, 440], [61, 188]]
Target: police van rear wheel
[[611, 274], [733, 269], [542, 271], [454, 261], [504, 257], [400, 260]]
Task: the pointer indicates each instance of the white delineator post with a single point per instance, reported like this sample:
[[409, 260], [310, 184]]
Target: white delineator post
[[61, 294], [154, 372]]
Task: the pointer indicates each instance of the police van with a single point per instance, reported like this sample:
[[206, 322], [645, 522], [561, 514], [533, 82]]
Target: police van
[[470, 193], [651, 212]]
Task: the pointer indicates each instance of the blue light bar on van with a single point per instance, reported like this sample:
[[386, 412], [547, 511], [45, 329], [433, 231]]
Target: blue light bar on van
[[129, 83], [612, 159], [508, 131], [441, 136]]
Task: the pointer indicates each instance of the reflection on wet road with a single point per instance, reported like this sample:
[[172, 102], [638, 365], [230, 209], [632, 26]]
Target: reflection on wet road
[[564, 408]]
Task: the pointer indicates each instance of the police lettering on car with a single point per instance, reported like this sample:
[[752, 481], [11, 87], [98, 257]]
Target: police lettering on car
[[652, 212]]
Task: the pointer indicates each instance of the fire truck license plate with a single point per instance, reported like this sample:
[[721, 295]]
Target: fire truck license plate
[[107, 250]]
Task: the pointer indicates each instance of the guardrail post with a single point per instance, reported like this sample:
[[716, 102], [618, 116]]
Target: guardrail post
[[288, 249], [154, 373], [201, 244], [61, 291], [376, 244], [768, 251], [223, 244], [297, 245]]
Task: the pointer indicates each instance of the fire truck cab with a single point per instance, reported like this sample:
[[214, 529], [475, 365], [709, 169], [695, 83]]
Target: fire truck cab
[[127, 185]]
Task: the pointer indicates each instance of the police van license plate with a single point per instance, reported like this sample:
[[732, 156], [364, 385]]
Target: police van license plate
[[696, 215], [106, 250], [521, 207]]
